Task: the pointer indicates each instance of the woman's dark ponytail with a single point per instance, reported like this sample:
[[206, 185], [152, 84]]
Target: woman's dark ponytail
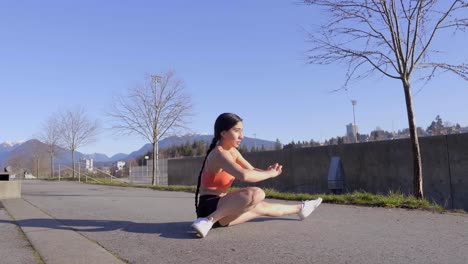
[[212, 146]]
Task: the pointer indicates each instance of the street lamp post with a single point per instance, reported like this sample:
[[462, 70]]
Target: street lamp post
[[146, 165], [354, 102], [156, 78]]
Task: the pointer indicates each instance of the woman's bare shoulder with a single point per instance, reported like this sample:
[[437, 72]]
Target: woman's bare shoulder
[[218, 155], [236, 152], [213, 159], [215, 153]]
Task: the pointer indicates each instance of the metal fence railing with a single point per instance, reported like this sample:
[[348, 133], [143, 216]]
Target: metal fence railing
[[143, 174], [137, 174], [66, 172]]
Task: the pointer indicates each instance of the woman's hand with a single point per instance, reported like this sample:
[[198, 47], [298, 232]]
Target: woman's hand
[[275, 169], [272, 166]]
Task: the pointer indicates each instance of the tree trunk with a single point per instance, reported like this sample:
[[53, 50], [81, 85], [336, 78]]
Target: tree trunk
[[417, 165], [73, 162], [51, 166], [155, 160], [155, 180]]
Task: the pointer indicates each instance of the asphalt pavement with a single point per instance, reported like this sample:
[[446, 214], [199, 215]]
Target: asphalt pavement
[[83, 223]]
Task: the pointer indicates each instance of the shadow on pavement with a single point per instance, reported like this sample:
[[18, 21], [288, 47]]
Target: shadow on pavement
[[176, 230], [265, 219]]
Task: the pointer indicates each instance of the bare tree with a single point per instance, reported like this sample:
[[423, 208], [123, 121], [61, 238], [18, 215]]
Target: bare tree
[[50, 136], [391, 38], [37, 155], [19, 163], [155, 110], [76, 130]]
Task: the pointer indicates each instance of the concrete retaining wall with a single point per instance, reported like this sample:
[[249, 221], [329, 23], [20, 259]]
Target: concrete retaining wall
[[376, 167], [458, 177], [10, 189]]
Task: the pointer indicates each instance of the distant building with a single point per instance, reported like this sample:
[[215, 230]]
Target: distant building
[[464, 129], [120, 165], [89, 164], [351, 132]]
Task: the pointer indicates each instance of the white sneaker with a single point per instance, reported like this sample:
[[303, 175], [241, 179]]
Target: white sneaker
[[202, 226], [308, 207]]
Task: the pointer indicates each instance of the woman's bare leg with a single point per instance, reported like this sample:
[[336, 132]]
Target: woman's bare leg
[[247, 203], [261, 209], [237, 202]]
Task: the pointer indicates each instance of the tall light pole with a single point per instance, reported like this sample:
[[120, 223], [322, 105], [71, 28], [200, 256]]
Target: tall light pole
[[156, 79], [354, 102], [146, 165]]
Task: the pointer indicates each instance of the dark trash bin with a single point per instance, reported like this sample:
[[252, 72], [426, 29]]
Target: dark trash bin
[[4, 176]]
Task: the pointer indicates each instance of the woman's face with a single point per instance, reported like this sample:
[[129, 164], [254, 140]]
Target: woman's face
[[233, 136]]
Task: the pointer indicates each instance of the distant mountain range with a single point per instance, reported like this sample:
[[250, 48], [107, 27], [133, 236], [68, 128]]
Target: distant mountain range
[[27, 150]]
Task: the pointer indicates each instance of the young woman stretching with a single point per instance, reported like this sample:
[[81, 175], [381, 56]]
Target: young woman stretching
[[223, 163]]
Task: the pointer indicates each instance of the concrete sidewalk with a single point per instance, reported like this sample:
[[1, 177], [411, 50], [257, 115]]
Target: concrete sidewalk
[[14, 247], [55, 245]]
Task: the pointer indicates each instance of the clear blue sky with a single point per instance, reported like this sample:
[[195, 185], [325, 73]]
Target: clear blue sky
[[246, 57]]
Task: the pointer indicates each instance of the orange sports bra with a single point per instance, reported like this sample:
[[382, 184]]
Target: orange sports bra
[[221, 180]]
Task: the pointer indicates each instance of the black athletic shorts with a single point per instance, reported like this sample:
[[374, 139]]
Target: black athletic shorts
[[207, 205]]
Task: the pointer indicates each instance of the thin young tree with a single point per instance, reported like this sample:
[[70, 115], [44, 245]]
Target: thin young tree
[[391, 38], [157, 109], [76, 130], [50, 136], [37, 154]]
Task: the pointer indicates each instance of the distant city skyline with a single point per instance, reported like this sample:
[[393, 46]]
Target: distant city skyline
[[246, 57]]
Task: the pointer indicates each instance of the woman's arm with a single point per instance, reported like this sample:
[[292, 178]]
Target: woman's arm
[[242, 162], [242, 170], [246, 165]]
